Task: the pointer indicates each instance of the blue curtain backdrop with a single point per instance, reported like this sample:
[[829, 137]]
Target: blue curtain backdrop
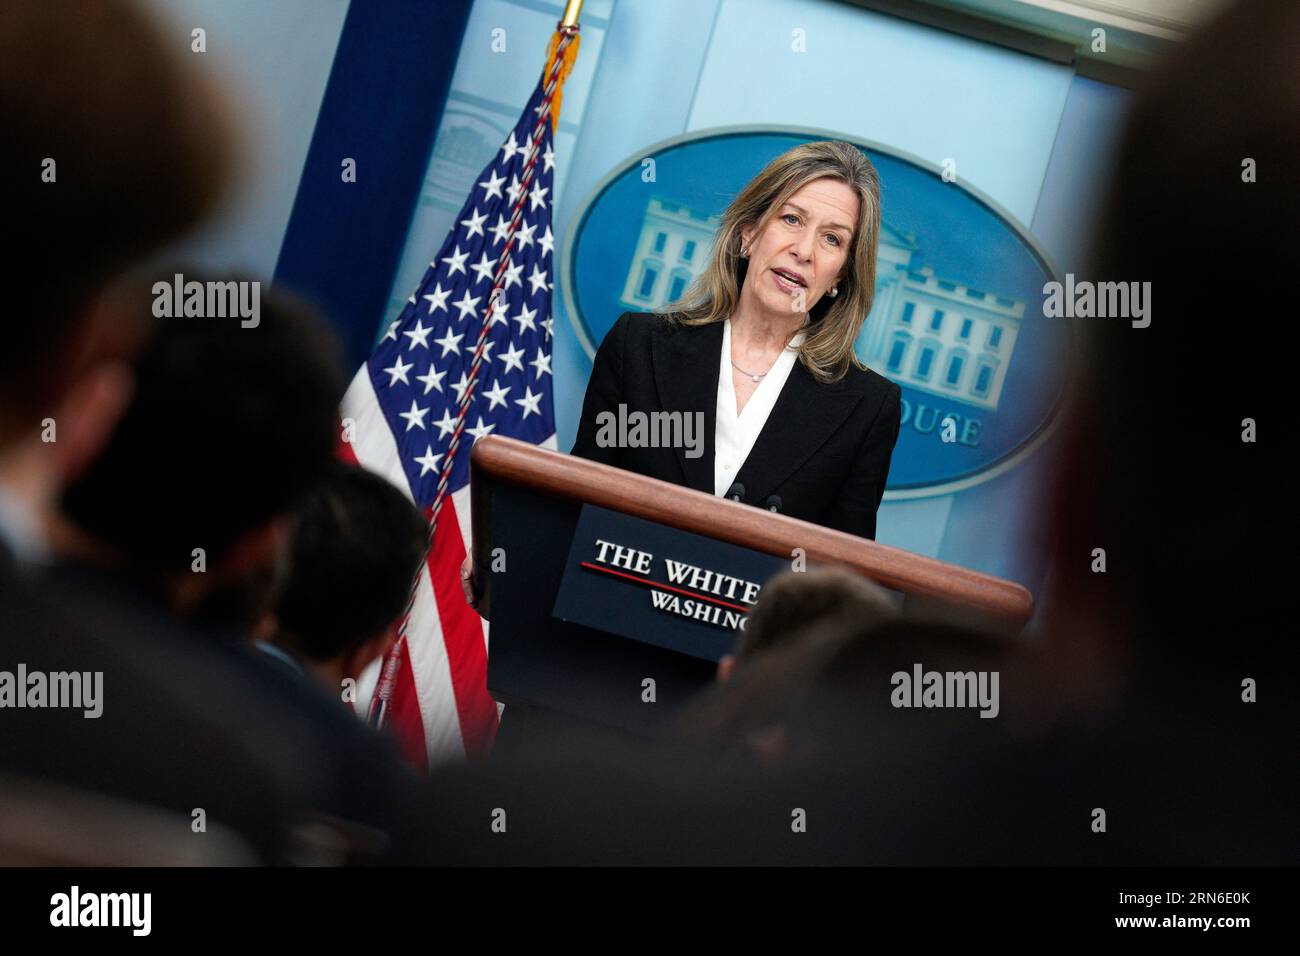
[[382, 107]]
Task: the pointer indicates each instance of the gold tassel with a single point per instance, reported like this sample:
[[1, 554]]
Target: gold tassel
[[566, 67]]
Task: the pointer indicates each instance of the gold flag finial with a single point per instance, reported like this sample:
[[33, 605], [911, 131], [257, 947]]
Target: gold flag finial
[[572, 10]]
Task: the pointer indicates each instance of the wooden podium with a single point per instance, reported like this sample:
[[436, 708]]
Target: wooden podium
[[592, 661]]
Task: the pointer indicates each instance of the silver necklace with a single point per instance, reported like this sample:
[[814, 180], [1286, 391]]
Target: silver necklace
[[755, 377]]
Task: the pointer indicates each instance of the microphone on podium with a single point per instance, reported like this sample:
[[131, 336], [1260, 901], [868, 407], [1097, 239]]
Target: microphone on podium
[[773, 504], [736, 492]]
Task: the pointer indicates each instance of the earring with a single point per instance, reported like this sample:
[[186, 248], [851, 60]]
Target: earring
[[744, 253], [835, 290]]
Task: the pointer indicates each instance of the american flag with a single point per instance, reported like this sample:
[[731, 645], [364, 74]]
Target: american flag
[[469, 356]]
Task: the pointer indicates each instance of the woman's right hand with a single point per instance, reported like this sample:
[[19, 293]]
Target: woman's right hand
[[467, 581]]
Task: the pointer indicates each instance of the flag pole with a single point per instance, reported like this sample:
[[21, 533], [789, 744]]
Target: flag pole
[[559, 62], [572, 10]]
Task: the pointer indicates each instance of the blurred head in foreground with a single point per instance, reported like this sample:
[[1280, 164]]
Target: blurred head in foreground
[[228, 427], [1160, 469], [356, 547], [793, 605], [801, 622], [113, 147]]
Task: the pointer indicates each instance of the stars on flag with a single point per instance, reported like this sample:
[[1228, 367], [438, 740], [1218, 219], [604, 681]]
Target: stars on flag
[[467, 305], [475, 224], [398, 371], [432, 379], [450, 343], [437, 299], [496, 395], [456, 261], [531, 402], [492, 185], [415, 417], [513, 357], [418, 335], [542, 363], [428, 462], [423, 366], [483, 268], [525, 320]]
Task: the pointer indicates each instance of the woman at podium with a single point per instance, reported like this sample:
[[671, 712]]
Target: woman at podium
[[748, 387]]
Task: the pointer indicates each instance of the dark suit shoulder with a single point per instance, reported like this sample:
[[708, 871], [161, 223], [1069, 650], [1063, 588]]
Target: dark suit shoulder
[[862, 382], [871, 384], [645, 325], [636, 319]]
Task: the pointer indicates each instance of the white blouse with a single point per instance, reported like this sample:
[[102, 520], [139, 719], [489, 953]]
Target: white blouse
[[735, 434]]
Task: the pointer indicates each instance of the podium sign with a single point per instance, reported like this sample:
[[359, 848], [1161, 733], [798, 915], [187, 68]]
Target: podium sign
[[641, 580]]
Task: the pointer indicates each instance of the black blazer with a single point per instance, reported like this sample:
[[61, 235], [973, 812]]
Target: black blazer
[[824, 450]]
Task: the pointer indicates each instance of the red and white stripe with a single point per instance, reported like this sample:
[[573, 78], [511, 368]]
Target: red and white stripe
[[440, 710]]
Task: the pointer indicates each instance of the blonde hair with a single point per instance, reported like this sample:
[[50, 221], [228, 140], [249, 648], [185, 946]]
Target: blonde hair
[[827, 351]]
